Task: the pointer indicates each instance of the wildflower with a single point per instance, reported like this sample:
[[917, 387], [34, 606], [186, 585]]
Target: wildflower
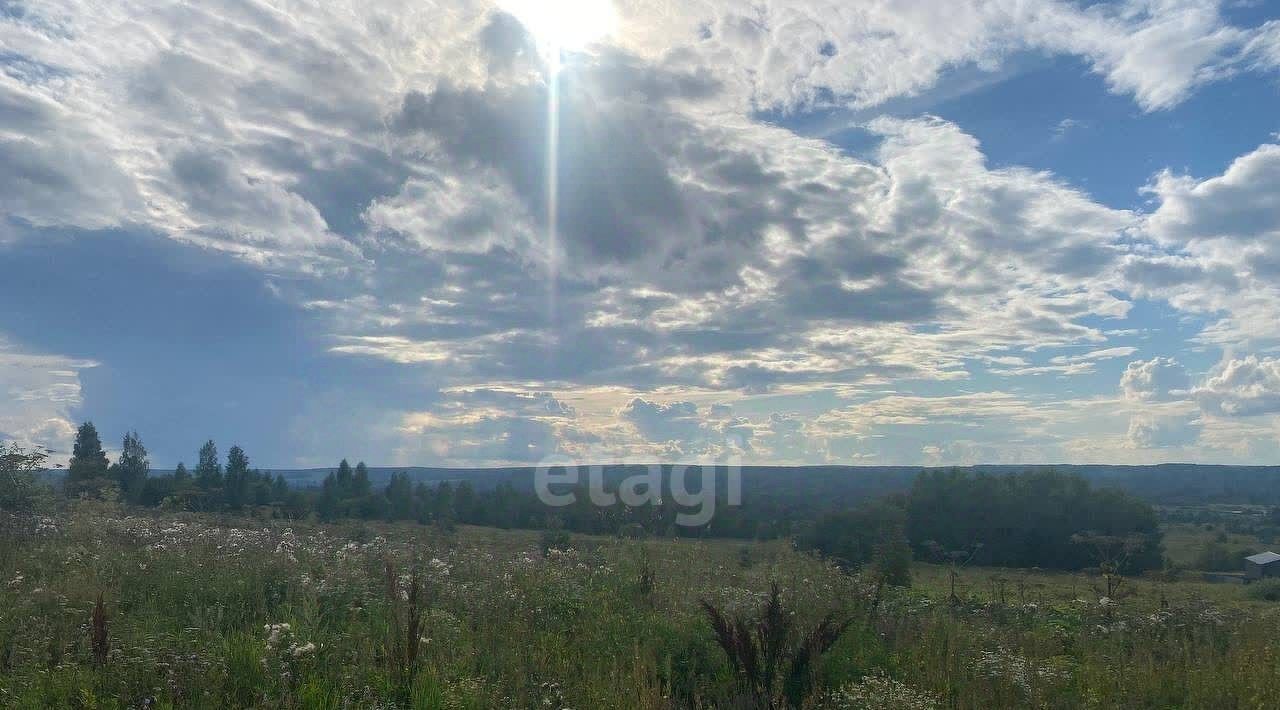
[[303, 650], [275, 632], [1004, 664], [439, 566], [879, 692]]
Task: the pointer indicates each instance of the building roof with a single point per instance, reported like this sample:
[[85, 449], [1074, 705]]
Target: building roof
[[1263, 558]]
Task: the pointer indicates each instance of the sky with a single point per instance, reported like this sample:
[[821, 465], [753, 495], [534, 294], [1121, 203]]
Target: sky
[[919, 232]]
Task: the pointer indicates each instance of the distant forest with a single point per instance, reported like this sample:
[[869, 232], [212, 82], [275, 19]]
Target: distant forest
[[1168, 484], [1023, 517]]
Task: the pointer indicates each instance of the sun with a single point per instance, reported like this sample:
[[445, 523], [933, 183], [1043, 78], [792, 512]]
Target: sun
[[564, 25]]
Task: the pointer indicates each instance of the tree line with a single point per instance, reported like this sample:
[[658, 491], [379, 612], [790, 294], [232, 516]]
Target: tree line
[[211, 486], [1039, 518]]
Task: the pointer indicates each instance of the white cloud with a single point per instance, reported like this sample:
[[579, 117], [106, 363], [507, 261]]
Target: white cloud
[[1159, 432], [1082, 364], [1239, 205], [791, 53], [1264, 48], [486, 426], [1219, 252], [1160, 379], [38, 395], [398, 152], [685, 431], [219, 123], [1243, 387]]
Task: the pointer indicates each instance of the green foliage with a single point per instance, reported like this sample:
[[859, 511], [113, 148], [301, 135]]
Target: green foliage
[[1264, 590], [892, 561], [226, 612], [87, 472], [1029, 519], [208, 469], [1223, 557], [554, 538], [773, 661], [18, 468], [873, 533], [131, 471]]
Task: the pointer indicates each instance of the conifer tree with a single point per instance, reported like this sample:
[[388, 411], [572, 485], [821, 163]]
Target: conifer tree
[[208, 470], [235, 484], [361, 485], [89, 465], [133, 467]]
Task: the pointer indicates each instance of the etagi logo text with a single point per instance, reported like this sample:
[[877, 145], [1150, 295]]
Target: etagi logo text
[[697, 506]]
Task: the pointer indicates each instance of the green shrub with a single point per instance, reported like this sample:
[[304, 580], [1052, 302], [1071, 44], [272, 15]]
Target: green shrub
[[1266, 590]]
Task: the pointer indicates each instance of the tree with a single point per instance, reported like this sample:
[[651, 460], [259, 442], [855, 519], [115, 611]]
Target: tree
[[18, 469], [87, 471], [872, 533], [1026, 519], [235, 484], [181, 477], [208, 470], [132, 469], [327, 503], [279, 489], [360, 482], [344, 480], [399, 493], [892, 560]]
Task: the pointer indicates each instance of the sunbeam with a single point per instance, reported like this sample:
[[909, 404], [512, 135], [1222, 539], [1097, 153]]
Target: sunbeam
[[553, 181]]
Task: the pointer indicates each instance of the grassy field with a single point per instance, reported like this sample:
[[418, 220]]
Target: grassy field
[[196, 610], [1185, 544]]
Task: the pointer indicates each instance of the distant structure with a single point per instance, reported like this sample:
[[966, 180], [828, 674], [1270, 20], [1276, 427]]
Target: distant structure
[[1263, 564]]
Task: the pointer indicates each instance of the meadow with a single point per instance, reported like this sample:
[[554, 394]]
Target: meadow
[[199, 610]]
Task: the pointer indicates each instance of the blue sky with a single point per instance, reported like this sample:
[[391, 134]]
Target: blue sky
[[792, 231]]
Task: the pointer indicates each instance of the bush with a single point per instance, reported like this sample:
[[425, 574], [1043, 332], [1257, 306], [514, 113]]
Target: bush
[[18, 468], [555, 539], [1220, 557], [869, 533], [1266, 590]]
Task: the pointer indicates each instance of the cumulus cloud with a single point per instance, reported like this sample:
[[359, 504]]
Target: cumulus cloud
[[41, 394], [686, 431], [223, 123], [1159, 379], [1224, 235], [1237, 205], [1243, 387], [1159, 432]]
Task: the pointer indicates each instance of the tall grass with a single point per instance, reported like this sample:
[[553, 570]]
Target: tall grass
[[101, 609]]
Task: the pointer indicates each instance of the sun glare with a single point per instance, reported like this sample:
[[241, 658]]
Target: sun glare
[[564, 25]]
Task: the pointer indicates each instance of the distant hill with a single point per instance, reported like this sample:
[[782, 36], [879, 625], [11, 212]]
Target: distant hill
[[1162, 484]]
